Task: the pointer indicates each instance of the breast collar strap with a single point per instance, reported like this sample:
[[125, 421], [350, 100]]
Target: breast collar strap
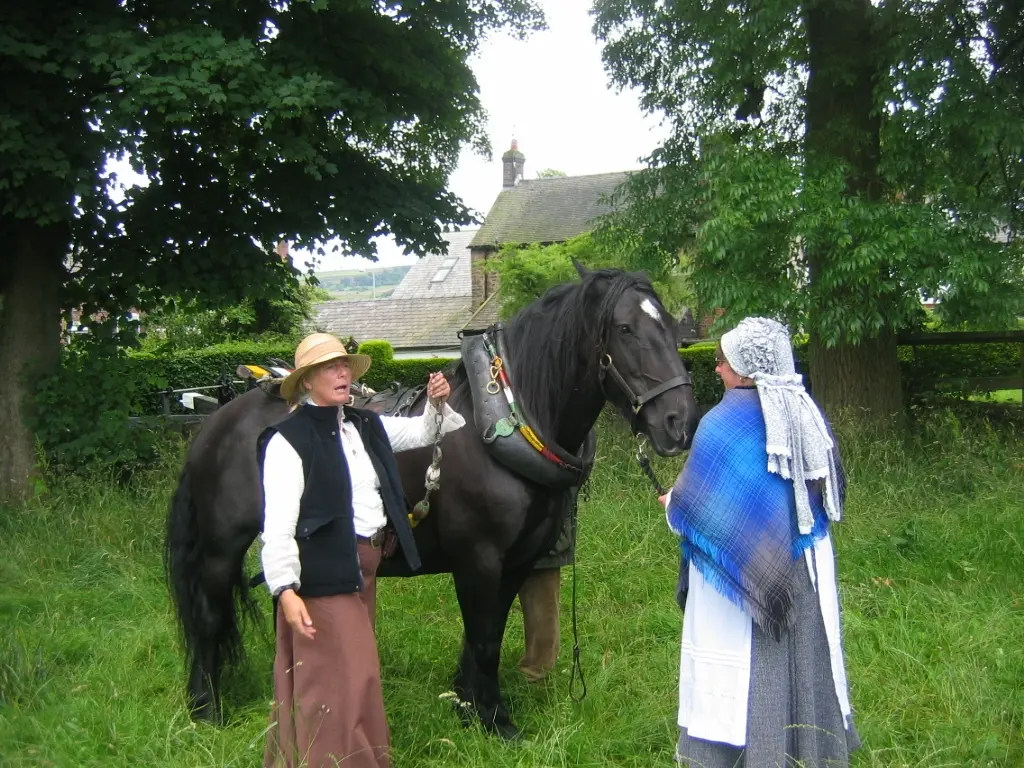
[[638, 401]]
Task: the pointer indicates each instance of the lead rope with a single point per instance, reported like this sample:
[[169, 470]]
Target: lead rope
[[432, 479], [577, 667], [645, 464]]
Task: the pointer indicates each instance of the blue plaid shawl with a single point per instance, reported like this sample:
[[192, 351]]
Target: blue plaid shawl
[[737, 519]]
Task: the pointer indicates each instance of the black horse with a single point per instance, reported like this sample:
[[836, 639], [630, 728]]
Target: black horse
[[604, 338]]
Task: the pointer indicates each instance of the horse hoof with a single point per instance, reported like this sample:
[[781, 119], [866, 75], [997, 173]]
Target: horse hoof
[[466, 714], [507, 731], [500, 723], [206, 712]]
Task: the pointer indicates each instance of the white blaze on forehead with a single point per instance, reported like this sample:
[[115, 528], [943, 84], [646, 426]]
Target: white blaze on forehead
[[648, 306]]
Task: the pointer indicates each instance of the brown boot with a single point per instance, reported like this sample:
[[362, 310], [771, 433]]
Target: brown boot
[[538, 598]]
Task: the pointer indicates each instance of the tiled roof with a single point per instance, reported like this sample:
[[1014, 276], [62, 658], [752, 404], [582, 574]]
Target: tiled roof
[[418, 282], [403, 322], [547, 210]]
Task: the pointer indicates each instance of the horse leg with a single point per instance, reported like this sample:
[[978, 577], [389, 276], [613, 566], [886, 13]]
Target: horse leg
[[485, 597], [476, 681], [203, 683]]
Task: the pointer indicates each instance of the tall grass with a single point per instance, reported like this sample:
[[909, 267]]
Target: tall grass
[[931, 562]]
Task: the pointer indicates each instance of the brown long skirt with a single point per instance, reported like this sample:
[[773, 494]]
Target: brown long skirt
[[369, 561], [328, 709]]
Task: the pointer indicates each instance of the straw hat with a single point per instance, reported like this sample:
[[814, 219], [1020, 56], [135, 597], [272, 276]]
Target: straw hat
[[319, 348]]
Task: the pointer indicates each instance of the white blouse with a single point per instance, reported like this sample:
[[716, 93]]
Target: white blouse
[[283, 483]]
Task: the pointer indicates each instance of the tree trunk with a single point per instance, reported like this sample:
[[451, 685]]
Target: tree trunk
[[865, 377], [29, 343], [844, 61]]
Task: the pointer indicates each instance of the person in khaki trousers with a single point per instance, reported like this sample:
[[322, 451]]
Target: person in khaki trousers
[[539, 595]]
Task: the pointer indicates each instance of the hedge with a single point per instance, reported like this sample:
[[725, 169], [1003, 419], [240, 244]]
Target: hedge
[[386, 370], [82, 412], [700, 362], [202, 367], [944, 368], [924, 368], [929, 368]]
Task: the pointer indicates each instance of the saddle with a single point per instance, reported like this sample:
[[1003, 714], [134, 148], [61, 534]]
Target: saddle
[[396, 400]]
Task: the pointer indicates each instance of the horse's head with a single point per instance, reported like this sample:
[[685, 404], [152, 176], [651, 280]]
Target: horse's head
[[640, 368]]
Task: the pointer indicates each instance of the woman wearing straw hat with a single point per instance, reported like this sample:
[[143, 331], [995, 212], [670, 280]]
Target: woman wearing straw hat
[[331, 485], [762, 676]]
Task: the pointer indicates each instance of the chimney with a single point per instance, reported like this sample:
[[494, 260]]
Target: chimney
[[512, 162]]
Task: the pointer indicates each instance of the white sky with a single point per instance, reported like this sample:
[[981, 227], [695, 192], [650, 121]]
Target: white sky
[[552, 94]]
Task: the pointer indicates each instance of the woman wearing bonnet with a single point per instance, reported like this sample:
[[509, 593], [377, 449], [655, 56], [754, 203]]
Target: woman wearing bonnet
[[762, 675], [331, 491]]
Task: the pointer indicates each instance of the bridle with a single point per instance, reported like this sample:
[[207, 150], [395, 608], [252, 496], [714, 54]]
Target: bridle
[[637, 401], [606, 367]]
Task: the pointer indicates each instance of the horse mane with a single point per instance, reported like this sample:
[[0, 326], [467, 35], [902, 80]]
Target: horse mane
[[551, 339]]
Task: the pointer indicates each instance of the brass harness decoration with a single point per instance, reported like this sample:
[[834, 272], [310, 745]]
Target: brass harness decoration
[[515, 420]]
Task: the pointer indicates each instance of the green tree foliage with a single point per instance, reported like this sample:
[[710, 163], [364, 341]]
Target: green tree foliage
[[189, 325], [831, 160], [550, 173], [255, 121], [527, 272]]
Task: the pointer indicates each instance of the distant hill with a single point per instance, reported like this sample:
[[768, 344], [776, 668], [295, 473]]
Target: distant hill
[[358, 284]]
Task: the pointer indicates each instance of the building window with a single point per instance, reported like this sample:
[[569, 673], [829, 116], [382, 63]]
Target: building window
[[445, 269]]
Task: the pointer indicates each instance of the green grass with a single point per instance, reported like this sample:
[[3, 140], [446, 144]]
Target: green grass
[[999, 396], [931, 563]]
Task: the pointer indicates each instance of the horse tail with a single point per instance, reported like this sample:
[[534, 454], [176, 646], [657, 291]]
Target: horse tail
[[183, 566], [203, 590]]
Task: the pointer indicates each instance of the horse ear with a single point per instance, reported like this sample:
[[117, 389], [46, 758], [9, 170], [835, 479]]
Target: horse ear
[[580, 269]]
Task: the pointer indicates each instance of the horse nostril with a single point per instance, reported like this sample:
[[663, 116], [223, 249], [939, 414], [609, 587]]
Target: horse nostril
[[675, 426]]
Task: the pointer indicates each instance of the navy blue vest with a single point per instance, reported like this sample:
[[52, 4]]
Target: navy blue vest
[[325, 533]]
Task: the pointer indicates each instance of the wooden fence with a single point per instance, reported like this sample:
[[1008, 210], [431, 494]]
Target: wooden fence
[[976, 383]]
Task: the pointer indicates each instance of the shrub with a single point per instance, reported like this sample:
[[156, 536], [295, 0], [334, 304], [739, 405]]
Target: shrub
[[945, 368], [386, 369], [82, 413], [700, 362], [200, 367]]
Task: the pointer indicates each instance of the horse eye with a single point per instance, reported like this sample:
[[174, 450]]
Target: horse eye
[[624, 330]]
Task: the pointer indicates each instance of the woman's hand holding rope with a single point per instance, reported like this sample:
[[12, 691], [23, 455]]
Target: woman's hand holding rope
[[438, 389]]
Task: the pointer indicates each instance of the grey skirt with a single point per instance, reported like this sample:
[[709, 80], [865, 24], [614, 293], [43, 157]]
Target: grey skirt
[[793, 714]]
